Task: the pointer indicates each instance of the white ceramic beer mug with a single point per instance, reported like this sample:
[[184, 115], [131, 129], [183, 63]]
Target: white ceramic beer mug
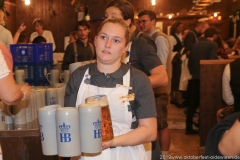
[[90, 127], [68, 132], [64, 77], [107, 131], [47, 125], [54, 77]]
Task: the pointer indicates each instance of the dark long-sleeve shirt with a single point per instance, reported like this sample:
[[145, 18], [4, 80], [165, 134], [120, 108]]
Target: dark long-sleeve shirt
[[201, 50], [85, 53]]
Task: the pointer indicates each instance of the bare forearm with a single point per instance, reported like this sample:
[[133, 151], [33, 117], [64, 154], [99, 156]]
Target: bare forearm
[[137, 136], [158, 77], [15, 37]]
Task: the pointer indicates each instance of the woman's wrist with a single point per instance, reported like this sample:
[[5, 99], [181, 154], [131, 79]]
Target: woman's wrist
[[24, 93]]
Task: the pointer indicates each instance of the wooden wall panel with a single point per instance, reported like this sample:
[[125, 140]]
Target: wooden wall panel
[[58, 17]]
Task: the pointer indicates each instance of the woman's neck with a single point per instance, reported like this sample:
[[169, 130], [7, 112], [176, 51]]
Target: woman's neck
[[40, 33], [108, 68]]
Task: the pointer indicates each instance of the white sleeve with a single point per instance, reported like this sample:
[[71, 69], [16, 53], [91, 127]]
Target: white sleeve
[[173, 41], [50, 39], [162, 49], [33, 35], [226, 89], [4, 71]]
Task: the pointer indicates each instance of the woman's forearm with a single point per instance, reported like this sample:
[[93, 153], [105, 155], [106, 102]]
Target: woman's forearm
[[146, 132]]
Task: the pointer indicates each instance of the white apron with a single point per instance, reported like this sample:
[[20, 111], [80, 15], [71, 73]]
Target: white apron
[[121, 118]]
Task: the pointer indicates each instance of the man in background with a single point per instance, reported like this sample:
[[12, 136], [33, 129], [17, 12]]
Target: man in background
[[202, 50], [147, 23], [82, 49]]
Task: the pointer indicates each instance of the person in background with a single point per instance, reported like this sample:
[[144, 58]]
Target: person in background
[[202, 50], [6, 36], [38, 24], [147, 22], [177, 45], [194, 35], [223, 139], [231, 85], [10, 92], [82, 49], [39, 39], [141, 53], [229, 44], [185, 32], [73, 37], [23, 38], [132, 126]]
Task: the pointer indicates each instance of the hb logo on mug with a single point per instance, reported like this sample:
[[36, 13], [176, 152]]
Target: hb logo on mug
[[98, 127], [64, 135], [41, 133]]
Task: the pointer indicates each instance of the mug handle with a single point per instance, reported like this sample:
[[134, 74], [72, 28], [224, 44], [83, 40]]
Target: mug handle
[[47, 76], [61, 77], [6, 108]]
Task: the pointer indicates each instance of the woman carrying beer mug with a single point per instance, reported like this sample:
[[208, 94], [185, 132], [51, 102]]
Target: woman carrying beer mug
[[129, 93]]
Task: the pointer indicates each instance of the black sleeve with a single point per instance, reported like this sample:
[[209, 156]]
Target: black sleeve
[[216, 133], [68, 57], [189, 41]]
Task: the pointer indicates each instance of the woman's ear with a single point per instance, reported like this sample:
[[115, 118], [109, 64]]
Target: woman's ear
[[128, 21], [127, 47]]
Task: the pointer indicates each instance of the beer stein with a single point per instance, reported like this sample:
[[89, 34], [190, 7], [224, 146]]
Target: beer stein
[[107, 131]]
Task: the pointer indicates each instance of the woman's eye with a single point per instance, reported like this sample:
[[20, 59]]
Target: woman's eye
[[116, 41], [103, 37]]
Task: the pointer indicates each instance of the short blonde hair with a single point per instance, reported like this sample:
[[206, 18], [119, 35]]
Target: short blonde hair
[[2, 15]]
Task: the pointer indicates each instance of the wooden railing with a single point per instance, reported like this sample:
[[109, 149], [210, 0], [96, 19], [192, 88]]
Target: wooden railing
[[210, 94], [22, 145]]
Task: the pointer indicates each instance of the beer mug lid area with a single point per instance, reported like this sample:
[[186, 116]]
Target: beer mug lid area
[[55, 106]]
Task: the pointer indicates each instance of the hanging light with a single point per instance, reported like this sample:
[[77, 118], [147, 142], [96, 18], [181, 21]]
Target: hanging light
[[153, 2], [27, 2], [215, 14]]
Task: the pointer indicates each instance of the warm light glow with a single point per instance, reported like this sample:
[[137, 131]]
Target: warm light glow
[[219, 18], [215, 14], [153, 2], [169, 16], [27, 2]]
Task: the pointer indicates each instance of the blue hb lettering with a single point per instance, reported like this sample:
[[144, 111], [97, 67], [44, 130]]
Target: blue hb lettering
[[97, 133], [42, 136], [65, 137]]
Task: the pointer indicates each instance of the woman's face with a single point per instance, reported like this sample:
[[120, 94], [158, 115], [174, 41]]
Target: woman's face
[[110, 43], [179, 28], [113, 12], [38, 27], [71, 39]]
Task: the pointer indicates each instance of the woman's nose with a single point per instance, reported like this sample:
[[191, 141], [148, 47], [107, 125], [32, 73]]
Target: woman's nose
[[108, 43]]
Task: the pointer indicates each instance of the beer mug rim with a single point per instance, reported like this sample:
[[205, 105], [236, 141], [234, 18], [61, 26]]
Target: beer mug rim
[[50, 107], [96, 97]]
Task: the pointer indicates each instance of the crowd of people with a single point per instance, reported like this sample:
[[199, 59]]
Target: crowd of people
[[156, 67]]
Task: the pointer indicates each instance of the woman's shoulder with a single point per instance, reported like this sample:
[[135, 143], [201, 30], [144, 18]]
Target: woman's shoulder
[[138, 76]]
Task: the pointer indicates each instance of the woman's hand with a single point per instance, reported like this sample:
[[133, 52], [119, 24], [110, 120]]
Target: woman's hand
[[106, 145]]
